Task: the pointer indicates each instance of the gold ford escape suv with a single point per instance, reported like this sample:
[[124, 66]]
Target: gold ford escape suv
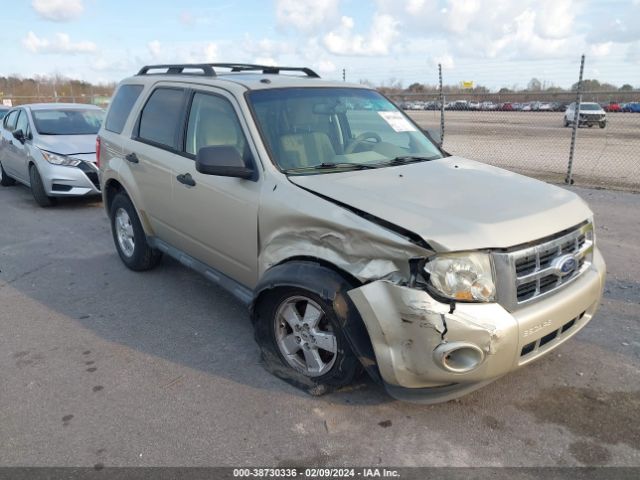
[[353, 238]]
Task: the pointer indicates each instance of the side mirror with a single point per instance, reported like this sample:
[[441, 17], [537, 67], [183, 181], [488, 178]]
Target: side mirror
[[19, 135], [223, 161]]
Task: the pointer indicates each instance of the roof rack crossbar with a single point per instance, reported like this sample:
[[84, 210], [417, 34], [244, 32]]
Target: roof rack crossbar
[[179, 69], [267, 69]]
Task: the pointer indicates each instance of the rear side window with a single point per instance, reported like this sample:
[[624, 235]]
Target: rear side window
[[121, 106], [23, 122], [160, 117]]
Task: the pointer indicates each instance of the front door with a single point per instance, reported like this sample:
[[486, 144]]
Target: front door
[[217, 217]]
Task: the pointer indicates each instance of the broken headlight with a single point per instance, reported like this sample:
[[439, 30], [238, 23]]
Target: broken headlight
[[462, 276]]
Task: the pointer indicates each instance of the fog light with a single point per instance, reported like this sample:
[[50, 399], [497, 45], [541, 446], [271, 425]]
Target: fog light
[[458, 357]]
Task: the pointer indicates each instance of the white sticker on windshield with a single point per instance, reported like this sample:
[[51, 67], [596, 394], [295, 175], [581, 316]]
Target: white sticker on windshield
[[397, 121]]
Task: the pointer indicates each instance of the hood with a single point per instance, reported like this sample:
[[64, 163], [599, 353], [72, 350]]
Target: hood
[[454, 203], [67, 144]]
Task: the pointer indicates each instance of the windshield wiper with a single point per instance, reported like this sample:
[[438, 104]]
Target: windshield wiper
[[404, 159], [334, 166]]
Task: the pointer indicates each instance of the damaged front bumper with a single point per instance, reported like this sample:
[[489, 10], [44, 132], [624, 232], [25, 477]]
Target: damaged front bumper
[[428, 352]]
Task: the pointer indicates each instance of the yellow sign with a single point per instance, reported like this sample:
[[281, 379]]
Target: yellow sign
[[467, 84]]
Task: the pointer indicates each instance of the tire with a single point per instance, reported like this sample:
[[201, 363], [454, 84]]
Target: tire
[[37, 189], [129, 237], [289, 352], [603, 124], [5, 180], [566, 123]]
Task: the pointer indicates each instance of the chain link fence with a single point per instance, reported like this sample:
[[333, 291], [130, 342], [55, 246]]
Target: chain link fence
[[527, 132]]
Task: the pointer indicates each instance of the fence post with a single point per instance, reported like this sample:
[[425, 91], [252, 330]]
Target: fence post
[[576, 122], [441, 105]]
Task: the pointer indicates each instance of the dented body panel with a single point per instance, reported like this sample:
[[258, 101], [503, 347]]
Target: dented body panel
[[406, 325]]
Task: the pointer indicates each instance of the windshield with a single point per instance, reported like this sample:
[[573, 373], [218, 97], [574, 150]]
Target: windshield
[[320, 130], [589, 106], [67, 121]]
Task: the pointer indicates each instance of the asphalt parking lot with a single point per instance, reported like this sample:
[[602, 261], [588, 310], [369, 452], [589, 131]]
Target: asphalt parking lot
[[538, 144], [104, 366]]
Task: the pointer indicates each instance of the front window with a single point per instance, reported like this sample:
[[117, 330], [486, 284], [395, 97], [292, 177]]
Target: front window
[[589, 106], [67, 121], [321, 130]]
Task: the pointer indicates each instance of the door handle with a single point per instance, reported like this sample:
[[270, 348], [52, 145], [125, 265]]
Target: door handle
[[186, 179], [132, 157]]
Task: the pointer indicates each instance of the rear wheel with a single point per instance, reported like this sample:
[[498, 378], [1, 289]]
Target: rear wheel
[[5, 180], [129, 237], [37, 188]]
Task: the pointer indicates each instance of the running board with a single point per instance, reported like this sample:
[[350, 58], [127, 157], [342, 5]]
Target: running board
[[242, 293]]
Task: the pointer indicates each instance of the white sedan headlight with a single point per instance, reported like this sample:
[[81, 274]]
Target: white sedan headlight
[[57, 159], [464, 276]]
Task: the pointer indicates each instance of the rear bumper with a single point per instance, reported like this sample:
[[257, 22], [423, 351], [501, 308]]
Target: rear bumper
[[407, 325]]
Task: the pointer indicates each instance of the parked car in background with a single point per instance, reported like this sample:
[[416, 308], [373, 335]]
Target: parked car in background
[[506, 107], [474, 105], [458, 105], [544, 107], [612, 107], [590, 114], [527, 107], [51, 148], [633, 107]]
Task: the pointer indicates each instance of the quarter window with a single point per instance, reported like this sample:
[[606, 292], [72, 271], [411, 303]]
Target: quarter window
[[161, 116], [213, 121], [121, 106]]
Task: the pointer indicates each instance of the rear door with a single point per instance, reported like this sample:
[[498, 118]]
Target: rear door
[[6, 143], [151, 151]]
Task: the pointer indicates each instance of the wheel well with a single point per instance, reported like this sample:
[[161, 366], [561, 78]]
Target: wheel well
[[112, 188], [324, 263]]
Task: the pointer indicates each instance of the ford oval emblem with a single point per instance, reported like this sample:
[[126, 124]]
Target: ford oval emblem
[[565, 265]]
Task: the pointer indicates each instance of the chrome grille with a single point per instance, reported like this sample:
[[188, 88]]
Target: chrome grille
[[529, 273]]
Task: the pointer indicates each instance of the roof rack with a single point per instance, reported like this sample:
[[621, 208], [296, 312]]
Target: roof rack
[[268, 69], [208, 70], [176, 69]]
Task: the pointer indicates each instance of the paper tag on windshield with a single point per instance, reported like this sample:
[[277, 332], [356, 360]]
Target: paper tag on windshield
[[397, 121]]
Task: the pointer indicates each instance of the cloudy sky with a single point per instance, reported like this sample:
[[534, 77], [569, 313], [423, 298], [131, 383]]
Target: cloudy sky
[[493, 42]]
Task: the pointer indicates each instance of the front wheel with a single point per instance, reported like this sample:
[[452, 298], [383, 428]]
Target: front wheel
[[603, 124], [129, 237], [302, 341], [5, 180], [37, 188], [566, 122]]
